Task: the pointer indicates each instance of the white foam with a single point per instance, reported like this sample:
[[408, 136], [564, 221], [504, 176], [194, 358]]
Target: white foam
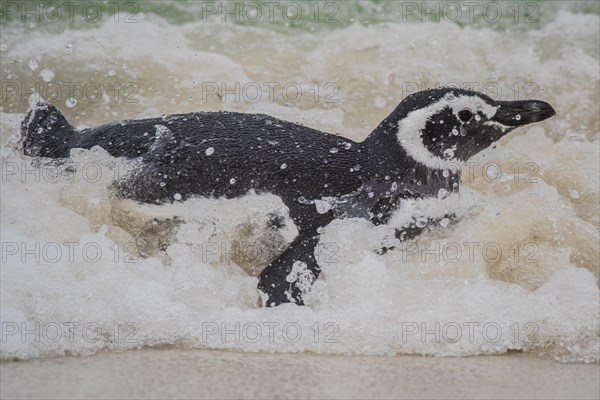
[[364, 303]]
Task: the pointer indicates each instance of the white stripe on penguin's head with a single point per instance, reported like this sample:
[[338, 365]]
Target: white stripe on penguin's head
[[412, 127]]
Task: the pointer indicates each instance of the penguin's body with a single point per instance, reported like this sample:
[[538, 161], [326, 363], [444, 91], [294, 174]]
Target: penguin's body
[[318, 176]]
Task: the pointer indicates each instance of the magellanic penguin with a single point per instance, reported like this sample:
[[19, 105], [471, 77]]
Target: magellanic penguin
[[318, 176]]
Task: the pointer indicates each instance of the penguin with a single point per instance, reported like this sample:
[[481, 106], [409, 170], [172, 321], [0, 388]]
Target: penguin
[[414, 153]]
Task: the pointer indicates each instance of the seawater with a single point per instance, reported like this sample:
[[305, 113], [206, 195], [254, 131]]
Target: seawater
[[83, 271]]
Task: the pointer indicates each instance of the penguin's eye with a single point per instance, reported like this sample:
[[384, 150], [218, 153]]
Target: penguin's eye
[[465, 115]]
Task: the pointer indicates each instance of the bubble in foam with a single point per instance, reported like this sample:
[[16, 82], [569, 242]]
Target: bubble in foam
[[46, 74], [33, 65], [71, 102], [421, 222]]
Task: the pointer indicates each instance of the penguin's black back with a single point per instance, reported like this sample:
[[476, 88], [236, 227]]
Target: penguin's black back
[[225, 154]]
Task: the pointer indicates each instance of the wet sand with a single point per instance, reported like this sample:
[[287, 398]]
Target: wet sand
[[177, 373]]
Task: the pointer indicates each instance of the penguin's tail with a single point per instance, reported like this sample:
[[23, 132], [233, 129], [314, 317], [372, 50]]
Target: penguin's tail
[[45, 131]]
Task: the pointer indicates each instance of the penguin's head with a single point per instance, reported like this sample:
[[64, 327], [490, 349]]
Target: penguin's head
[[439, 126]]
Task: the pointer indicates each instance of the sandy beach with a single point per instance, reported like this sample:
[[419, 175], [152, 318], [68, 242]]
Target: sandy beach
[[176, 373]]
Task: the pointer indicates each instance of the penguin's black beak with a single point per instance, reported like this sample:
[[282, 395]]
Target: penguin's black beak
[[523, 112]]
